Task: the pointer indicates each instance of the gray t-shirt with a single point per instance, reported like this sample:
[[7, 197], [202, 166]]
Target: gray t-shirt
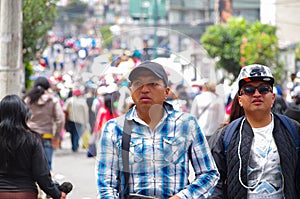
[[264, 171]]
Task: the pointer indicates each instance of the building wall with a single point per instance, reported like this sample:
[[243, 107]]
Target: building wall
[[285, 14], [288, 21]]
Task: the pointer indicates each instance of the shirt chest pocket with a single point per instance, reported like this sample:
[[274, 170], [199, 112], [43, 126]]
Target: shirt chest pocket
[[170, 150], [174, 149], [136, 151]]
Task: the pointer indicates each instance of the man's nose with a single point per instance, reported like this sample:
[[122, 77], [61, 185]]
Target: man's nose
[[256, 92], [145, 88]]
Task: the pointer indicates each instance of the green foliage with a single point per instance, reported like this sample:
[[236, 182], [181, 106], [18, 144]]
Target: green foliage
[[38, 18], [297, 51], [238, 43], [28, 73], [259, 45], [107, 36], [220, 41]]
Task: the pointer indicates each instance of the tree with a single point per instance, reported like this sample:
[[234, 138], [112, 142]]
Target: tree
[[238, 43], [259, 45], [223, 42], [38, 19], [297, 51], [107, 36]]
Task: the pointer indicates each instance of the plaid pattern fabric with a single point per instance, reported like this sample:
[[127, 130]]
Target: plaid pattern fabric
[[159, 159]]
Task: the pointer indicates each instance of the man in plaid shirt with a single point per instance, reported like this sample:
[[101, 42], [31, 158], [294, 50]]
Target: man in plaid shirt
[[163, 141]]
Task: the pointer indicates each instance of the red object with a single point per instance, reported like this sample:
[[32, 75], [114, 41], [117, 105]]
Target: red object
[[77, 92], [228, 108], [103, 116]]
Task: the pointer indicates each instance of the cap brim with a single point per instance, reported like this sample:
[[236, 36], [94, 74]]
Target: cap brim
[[134, 72], [266, 79]]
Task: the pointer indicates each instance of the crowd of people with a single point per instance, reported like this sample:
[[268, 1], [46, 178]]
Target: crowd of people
[[149, 134]]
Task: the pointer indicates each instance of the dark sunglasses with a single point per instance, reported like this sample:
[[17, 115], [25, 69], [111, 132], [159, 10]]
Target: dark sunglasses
[[251, 90]]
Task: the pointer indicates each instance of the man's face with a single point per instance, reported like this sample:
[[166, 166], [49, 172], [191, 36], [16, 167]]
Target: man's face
[[147, 89], [256, 97]]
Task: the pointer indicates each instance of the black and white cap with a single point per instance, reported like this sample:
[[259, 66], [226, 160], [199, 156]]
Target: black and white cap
[[255, 72]]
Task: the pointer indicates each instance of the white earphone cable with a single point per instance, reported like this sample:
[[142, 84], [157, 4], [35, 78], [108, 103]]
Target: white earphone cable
[[240, 160]]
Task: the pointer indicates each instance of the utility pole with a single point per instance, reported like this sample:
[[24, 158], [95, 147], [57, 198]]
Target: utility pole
[[10, 47]]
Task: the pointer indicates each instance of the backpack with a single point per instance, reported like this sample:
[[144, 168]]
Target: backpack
[[287, 122]]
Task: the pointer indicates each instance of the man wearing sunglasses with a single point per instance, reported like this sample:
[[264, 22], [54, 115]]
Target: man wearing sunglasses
[[260, 160]]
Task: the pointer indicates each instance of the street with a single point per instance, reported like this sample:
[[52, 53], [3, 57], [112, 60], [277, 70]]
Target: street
[[76, 168]]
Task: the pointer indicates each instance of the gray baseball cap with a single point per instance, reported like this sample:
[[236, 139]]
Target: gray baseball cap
[[154, 67]]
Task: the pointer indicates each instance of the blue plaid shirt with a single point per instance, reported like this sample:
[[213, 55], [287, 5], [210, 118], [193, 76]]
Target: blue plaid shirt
[[159, 159]]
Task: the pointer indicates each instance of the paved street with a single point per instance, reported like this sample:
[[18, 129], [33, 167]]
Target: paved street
[[76, 168]]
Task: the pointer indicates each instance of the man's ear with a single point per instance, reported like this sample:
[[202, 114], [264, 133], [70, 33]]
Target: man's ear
[[273, 97], [168, 90], [240, 101]]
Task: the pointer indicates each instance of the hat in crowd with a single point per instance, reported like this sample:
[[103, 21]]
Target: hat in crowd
[[254, 73], [77, 92], [154, 67], [296, 92]]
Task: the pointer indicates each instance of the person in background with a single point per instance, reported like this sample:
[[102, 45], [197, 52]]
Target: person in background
[[90, 97], [23, 162], [261, 159], [236, 111], [293, 110], [125, 100], [289, 87], [279, 105], [47, 118], [77, 120], [163, 141], [209, 109], [181, 91], [98, 101], [105, 113]]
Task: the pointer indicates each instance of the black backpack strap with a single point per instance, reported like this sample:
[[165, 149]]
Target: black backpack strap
[[289, 124], [128, 125], [230, 129]]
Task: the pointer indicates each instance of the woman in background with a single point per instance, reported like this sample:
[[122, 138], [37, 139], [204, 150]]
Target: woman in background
[[46, 113], [77, 121], [105, 113], [23, 162]]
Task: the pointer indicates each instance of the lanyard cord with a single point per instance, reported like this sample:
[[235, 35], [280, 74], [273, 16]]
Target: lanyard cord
[[240, 160]]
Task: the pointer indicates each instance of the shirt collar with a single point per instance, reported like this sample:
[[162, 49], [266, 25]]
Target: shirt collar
[[132, 113]]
